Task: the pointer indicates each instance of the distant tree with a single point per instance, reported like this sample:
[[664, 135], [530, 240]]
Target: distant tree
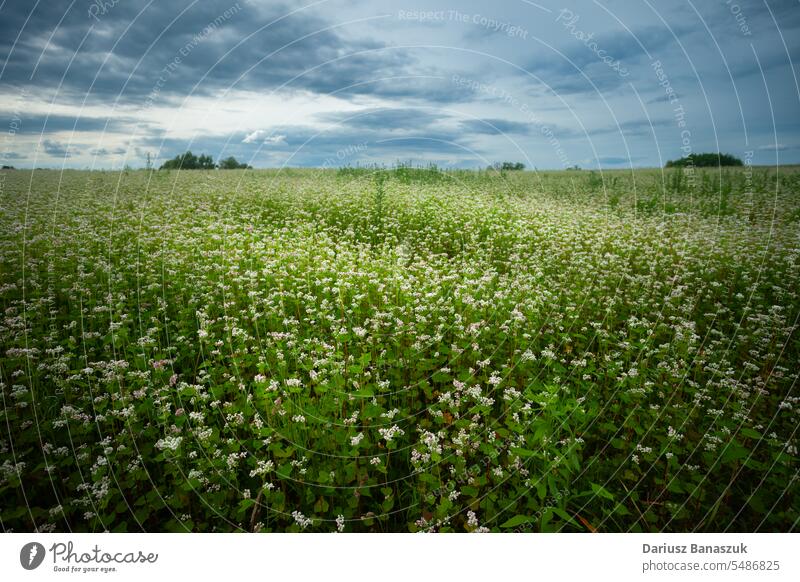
[[187, 161], [206, 162], [230, 163], [508, 166], [8, 167], [709, 160]]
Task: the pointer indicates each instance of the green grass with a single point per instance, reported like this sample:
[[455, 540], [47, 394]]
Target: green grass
[[400, 350]]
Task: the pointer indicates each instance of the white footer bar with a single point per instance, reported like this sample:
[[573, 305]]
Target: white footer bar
[[402, 557]]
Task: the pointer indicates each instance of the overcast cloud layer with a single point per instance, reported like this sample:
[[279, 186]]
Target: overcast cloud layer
[[613, 84]]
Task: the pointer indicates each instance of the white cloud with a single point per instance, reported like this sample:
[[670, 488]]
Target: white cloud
[[261, 135], [255, 136], [773, 147]]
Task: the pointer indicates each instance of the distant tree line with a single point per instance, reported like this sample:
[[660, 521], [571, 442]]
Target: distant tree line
[[507, 166], [705, 161], [189, 161]]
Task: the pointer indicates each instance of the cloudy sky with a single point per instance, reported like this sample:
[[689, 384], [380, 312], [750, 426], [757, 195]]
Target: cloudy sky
[[609, 83]]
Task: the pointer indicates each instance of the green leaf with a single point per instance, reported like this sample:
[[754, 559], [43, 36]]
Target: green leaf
[[564, 515], [469, 491], [750, 433], [429, 479], [515, 521], [601, 491], [733, 452]]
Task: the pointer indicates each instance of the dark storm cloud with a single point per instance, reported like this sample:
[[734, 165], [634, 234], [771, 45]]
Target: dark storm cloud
[[432, 87], [126, 49], [493, 126], [637, 127], [767, 61], [507, 127], [576, 66], [57, 149], [102, 152], [36, 124], [756, 15], [385, 119], [497, 126]]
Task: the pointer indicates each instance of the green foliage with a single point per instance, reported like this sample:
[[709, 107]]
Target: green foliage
[[508, 166], [705, 161], [230, 163], [409, 174], [189, 161], [405, 173], [404, 349]]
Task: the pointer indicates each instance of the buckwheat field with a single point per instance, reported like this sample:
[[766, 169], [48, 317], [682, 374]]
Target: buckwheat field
[[400, 350]]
